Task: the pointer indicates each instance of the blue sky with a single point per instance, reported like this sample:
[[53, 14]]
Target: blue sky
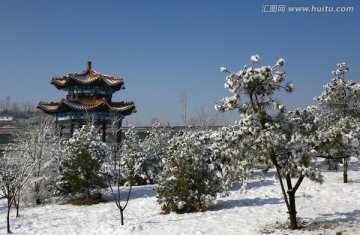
[[163, 46]]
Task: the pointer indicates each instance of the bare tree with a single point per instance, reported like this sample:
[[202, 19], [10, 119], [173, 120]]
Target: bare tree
[[15, 109], [2, 105], [155, 120], [115, 175], [28, 107], [205, 119], [7, 102], [184, 100]]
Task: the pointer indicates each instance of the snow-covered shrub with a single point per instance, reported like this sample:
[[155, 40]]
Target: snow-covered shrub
[[85, 157], [190, 180], [155, 145], [140, 159], [138, 167], [230, 149]]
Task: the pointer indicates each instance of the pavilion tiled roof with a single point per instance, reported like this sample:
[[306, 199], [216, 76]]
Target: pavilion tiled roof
[[100, 105], [88, 77]]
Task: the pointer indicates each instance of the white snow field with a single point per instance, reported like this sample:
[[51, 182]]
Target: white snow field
[[329, 208]]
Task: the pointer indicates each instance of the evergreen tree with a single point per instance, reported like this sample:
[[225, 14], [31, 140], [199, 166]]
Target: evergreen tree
[[190, 180], [85, 155], [264, 138], [338, 137]]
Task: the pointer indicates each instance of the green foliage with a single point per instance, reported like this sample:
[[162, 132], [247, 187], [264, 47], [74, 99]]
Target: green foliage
[[83, 165], [191, 179]]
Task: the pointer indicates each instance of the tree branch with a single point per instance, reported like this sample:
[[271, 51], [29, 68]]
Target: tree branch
[[331, 157], [298, 183]]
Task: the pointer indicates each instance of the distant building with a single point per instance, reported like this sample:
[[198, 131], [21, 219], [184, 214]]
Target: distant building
[[7, 121], [88, 95]]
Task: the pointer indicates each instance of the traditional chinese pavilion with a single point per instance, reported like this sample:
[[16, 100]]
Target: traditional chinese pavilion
[[88, 95]]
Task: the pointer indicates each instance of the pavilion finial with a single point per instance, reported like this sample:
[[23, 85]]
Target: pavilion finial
[[89, 64]]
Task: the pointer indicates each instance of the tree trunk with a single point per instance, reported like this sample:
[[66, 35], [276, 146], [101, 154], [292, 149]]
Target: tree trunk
[[292, 210], [346, 164], [103, 131], [37, 201], [122, 216], [37, 189], [17, 202], [8, 215], [290, 202], [71, 129], [17, 206], [291, 193], [88, 194], [118, 133]]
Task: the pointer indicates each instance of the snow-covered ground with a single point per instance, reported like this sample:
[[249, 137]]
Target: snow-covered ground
[[323, 209]]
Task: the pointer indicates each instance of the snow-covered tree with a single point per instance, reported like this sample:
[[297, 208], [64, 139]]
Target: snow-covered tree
[[191, 179], [82, 166], [28, 164], [340, 96], [264, 138], [15, 170], [41, 145], [339, 120]]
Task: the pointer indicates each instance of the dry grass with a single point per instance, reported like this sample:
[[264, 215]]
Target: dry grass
[[84, 201]]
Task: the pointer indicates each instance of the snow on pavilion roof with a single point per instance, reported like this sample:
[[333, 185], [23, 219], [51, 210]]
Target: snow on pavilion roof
[[100, 105], [88, 77]]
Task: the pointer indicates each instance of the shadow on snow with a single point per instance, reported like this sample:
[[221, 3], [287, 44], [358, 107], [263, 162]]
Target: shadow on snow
[[253, 185], [336, 219], [235, 203], [136, 192]]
